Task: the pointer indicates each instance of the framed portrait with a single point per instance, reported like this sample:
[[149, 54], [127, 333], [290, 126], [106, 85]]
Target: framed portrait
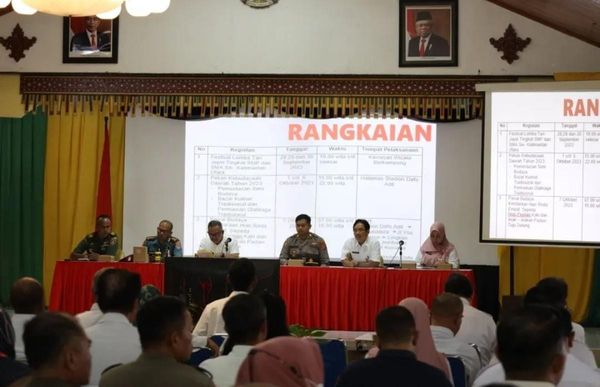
[[88, 39], [428, 33]]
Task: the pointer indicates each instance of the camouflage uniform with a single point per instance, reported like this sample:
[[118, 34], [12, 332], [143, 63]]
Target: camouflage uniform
[[172, 245], [313, 247], [92, 244]]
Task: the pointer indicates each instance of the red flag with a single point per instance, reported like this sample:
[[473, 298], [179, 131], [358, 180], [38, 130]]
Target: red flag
[[104, 201]]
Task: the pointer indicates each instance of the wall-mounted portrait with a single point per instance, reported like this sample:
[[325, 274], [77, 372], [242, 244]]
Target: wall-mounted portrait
[[428, 33], [89, 39]]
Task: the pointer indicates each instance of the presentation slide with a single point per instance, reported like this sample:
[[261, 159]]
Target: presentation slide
[[543, 158], [256, 175]]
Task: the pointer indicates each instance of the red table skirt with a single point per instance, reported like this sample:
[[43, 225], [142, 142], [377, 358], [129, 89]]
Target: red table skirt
[[340, 298], [72, 285]]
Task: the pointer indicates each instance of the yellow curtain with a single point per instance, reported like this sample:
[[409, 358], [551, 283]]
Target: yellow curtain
[[73, 156], [535, 263], [10, 97]]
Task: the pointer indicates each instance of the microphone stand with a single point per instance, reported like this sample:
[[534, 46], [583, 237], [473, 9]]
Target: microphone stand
[[400, 252]]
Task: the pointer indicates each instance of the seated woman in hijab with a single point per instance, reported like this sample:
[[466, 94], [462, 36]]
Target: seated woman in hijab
[[437, 249], [283, 361]]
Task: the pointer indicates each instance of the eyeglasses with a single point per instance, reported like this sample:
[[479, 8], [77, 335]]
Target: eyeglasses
[[291, 368], [215, 234]]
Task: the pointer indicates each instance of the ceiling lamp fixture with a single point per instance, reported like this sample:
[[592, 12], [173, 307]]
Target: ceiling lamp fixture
[[105, 9]]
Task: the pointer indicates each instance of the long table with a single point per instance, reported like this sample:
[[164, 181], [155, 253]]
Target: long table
[[335, 298], [348, 299]]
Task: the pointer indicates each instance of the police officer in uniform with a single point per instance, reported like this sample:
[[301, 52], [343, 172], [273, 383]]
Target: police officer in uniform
[[304, 244], [101, 242], [163, 241]]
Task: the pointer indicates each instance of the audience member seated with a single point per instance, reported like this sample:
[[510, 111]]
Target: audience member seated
[[164, 326], [477, 327], [396, 363], [242, 278], [27, 300], [147, 293], [91, 317], [437, 249], [10, 369], [246, 326], [555, 291], [446, 316], [531, 347], [58, 350], [425, 348], [283, 361], [576, 373], [114, 339], [276, 315]]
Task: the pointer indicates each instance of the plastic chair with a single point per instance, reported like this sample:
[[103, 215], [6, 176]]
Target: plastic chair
[[334, 360], [199, 356], [457, 368]]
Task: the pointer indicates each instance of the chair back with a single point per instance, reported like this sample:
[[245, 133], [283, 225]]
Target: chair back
[[334, 360], [199, 356], [457, 368]]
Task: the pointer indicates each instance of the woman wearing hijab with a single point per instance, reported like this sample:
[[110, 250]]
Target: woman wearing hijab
[[437, 249], [284, 361], [424, 348]]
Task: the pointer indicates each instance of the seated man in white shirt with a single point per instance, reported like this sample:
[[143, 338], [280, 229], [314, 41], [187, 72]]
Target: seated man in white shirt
[[242, 278], [245, 322], [91, 317], [531, 348], [477, 327], [217, 244], [446, 317], [361, 250], [27, 300], [114, 339], [554, 291]]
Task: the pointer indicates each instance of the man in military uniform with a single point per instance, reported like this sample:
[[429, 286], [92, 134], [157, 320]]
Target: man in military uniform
[[304, 244], [165, 328], [163, 241], [101, 242]]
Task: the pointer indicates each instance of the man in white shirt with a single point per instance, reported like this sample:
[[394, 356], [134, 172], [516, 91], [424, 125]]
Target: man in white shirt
[[114, 339], [91, 317], [554, 290], [477, 327], [217, 244], [242, 277], [27, 300], [576, 373], [446, 317], [245, 322], [361, 250]]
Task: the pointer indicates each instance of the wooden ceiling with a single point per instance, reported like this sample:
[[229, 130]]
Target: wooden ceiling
[[577, 18]]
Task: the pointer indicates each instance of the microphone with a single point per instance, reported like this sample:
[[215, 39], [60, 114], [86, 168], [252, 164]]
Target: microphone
[[227, 244], [398, 250]]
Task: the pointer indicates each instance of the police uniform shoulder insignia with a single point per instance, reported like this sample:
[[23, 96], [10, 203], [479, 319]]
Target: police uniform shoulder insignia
[[150, 238]]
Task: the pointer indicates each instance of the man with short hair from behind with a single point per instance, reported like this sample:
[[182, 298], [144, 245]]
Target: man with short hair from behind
[[576, 373], [446, 318], [555, 291], [245, 322], [58, 350], [242, 278], [531, 347], [114, 339], [477, 327], [164, 326], [27, 300], [396, 363], [91, 317]]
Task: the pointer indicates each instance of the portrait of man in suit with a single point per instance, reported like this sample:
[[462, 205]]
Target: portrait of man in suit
[[91, 38], [426, 43], [428, 33]]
